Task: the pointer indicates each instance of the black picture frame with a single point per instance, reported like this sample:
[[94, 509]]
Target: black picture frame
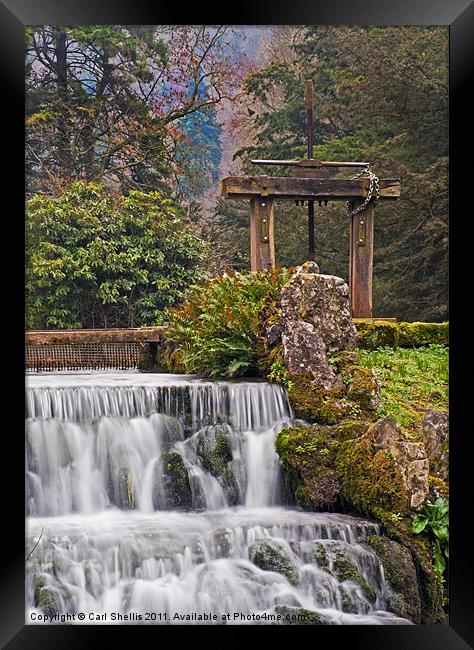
[[459, 16]]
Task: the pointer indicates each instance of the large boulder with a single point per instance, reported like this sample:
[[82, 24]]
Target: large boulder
[[382, 469], [410, 459], [435, 436], [315, 321], [323, 302]]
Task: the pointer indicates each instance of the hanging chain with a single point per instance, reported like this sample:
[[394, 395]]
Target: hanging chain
[[373, 193]]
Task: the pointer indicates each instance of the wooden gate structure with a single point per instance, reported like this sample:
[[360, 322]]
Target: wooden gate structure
[[310, 181]]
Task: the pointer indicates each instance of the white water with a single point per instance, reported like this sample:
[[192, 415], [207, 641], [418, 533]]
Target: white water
[[139, 516]]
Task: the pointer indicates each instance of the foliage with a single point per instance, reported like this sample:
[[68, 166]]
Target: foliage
[[96, 260], [112, 103], [279, 374], [381, 95], [217, 329], [412, 382], [434, 519]]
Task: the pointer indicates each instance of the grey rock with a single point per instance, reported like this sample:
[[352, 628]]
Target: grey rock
[[435, 436]]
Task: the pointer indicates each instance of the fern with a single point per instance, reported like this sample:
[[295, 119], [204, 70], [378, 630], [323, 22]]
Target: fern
[[217, 331]]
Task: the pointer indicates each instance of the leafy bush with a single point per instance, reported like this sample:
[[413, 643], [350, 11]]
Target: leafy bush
[[217, 330], [434, 520], [96, 260]]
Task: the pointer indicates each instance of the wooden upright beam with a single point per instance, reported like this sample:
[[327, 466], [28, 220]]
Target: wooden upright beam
[[262, 234], [285, 187], [361, 258]]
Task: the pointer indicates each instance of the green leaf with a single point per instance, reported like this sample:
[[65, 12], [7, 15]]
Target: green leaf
[[419, 523]]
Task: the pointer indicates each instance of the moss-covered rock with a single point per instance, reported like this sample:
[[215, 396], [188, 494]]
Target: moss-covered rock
[[335, 562], [403, 598], [376, 334], [351, 429], [438, 488], [356, 396], [44, 597], [213, 448], [175, 481], [308, 454], [297, 616], [270, 555], [345, 569], [430, 587], [382, 470]]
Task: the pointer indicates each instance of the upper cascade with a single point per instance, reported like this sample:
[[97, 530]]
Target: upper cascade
[[244, 405]]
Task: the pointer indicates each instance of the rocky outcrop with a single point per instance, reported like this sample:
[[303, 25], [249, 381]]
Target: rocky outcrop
[[323, 302], [435, 436], [313, 337], [383, 469], [315, 320], [378, 469], [409, 457]]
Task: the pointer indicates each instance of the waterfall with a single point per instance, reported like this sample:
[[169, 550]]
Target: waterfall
[[158, 499]]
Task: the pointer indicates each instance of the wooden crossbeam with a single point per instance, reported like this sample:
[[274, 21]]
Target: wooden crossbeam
[[114, 335], [284, 187]]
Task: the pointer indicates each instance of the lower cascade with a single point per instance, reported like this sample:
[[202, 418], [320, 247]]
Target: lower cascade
[[158, 499]]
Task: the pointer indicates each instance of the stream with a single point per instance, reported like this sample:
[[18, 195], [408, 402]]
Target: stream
[[155, 498]]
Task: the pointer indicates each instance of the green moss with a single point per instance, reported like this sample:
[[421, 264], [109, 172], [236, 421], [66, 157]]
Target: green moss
[[356, 396], [376, 334], [321, 556], [438, 487], [176, 480], [270, 556], [298, 616], [44, 599], [314, 404], [346, 569], [307, 453], [369, 481], [351, 429]]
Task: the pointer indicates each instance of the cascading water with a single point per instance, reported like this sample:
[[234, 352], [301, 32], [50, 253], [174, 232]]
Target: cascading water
[[158, 499]]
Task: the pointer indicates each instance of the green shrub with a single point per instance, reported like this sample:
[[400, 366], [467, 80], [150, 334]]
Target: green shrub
[[98, 260], [218, 329]]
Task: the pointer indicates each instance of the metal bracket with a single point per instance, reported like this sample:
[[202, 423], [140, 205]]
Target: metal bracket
[[264, 230], [361, 230], [263, 190]]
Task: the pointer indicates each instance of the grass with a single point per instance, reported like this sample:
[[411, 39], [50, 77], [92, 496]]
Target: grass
[[412, 382]]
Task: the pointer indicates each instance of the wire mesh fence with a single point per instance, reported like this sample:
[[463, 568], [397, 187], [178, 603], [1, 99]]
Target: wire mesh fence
[[82, 356]]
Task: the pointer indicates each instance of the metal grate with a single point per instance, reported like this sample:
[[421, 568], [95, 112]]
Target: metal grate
[[78, 356]]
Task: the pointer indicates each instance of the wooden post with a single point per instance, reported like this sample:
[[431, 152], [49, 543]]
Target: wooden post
[[262, 234], [361, 257]]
